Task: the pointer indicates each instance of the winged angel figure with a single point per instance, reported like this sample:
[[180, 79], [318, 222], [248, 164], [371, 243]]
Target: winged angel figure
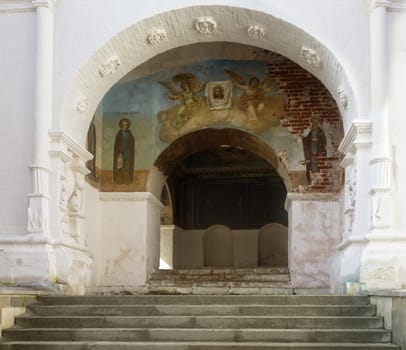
[[252, 99], [187, 95]]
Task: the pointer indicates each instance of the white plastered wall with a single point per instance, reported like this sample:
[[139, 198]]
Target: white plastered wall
[[16, 103]]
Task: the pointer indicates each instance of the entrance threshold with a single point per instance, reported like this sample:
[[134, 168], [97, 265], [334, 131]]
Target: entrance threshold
[[222, 281]]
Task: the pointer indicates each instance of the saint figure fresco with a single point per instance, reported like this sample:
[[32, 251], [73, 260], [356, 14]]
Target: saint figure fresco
[[314, 144], [123, 162]]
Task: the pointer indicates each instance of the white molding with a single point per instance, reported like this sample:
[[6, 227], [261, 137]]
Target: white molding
[[359, 129], [397, 6], [49, 4], [390, 5], [61, 137], [386, 237], [351, 240], [373, 4], [33, 240], [16, 6], [313, 196], [130, 197]]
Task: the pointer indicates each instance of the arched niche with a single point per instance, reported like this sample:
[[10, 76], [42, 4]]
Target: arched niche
[[273, 245], [218, 246]]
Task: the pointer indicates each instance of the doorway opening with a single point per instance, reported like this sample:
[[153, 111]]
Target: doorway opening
[[223, 207]]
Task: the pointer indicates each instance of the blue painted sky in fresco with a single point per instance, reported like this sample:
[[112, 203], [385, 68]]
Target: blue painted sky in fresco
[[146, 96]]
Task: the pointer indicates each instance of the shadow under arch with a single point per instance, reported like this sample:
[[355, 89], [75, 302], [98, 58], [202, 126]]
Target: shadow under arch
[[204, 139]]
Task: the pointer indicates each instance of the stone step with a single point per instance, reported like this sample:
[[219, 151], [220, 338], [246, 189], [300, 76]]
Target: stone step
[[219, 322], [98, 345], [199, 322], [226, 270], [204, 300], [203, 310], [221, 277], [197, 289], [221, 283], [198, 334]]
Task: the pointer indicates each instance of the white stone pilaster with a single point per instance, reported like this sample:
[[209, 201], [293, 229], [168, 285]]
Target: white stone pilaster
[[383, 262], [73, 263], [38, 208], [381, 162]]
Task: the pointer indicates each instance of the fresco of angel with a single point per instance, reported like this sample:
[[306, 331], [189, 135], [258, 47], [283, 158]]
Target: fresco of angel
[[252, 99], [190, 102]]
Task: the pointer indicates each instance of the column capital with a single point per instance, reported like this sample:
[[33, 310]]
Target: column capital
[[373, 4], [50, 4], [359, 132]]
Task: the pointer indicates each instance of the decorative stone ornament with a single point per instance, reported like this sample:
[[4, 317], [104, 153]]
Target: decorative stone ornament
[[205, 25], [256, 32], [311, 57], [37, 220], [109, 68], [156, 37], [342, 97], [82, 104]]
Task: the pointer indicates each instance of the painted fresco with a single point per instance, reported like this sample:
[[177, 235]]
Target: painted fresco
[[252, 103], [277, 100]]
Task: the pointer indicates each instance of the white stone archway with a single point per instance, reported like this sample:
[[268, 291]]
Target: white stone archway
[[150, 37], [125, 51]]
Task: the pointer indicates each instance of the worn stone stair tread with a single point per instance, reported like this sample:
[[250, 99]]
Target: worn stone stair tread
[[199, 322], [200, 334], [69, 345], [318, 322], [204, 299], [213, 309]]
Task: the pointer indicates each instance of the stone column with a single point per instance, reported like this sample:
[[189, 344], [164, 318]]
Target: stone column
[[383, 263], [381, 162], [38, 209]]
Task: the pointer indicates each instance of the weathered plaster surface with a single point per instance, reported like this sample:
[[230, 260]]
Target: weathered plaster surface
[[314, 230]]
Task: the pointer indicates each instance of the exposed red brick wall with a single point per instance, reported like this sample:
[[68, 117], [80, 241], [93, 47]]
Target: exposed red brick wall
[[307, 97]]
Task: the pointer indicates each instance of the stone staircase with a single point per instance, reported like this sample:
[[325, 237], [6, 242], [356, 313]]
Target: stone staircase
[[255, 281], [198, 322]]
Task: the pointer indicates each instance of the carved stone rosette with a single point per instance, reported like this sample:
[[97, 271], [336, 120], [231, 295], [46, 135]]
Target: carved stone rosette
[[205, 25], [342, 97], [256, 32], [311, 57], [69, 170], [82, 103], [109, 67], [156, 37]]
